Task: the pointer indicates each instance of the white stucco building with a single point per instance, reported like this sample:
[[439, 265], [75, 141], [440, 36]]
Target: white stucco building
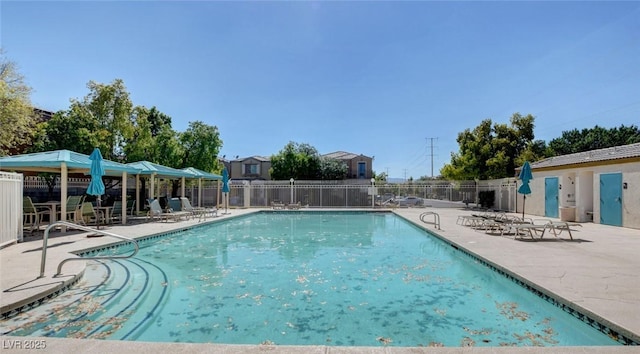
[[602, 186]]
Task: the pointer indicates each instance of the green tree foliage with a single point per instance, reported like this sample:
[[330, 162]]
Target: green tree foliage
[[332, 169], [302, 161], [102, 119], [17, 118], [298, 161], [197, 147], [492, 150], [575, 140], [153, 139], [141, 146], [200, 146], [76, 129], [112, 107]]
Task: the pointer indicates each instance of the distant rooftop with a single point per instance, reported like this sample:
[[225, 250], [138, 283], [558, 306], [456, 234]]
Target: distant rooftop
[[630, 151], [259, 158], [341, 155]]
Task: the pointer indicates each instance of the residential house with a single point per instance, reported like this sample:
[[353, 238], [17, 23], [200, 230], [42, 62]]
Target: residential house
[[358, 166], [250, 168], [601, 185]]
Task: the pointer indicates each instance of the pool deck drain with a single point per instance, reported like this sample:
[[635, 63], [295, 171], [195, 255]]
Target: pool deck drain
[[597, 271]]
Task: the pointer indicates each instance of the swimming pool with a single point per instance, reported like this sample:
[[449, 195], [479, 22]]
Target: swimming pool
[[345, 278]]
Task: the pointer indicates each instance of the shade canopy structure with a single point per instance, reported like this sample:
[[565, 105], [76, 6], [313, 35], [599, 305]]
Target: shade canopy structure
[[525, 176], [203, 175], [64, 162], [154, 170], [54, 161]]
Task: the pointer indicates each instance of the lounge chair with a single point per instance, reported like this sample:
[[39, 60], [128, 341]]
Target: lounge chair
[[557, 227], [174, 205], [532, 229], [33, 216], [503, 222], [277, 204], [200, 212], [297, 205], [155, 211]]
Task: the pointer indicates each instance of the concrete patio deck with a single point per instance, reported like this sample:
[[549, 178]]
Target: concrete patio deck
[[596, 273]]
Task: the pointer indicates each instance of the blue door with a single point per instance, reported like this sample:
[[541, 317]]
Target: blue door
[[362, 170], [551, 199], [611, 199]]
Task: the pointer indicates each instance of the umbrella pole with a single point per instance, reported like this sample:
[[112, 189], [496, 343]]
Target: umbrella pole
[[524, 201]]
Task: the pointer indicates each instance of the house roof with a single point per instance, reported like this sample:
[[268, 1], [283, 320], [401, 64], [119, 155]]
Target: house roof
[[259, 158], [600, 155], [342, 155], [51, 161]]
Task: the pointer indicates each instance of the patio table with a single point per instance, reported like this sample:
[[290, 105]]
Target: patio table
[[53, 208]]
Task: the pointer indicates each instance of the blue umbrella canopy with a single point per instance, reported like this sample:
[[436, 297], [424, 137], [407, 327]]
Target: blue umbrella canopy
[[96, 186], [225, 181], [525, 176]]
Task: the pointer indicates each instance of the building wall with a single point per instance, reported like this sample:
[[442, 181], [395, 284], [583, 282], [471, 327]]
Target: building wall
[[238, 169], [580, 188], [352, 167]]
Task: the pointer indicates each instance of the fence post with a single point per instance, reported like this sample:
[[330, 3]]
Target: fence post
[[291, 182]]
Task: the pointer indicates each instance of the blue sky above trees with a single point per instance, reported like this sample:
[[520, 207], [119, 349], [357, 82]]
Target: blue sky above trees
[[378, 78]]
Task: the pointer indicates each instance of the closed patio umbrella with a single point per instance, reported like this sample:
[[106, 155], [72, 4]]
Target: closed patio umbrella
[[96, 186], [525, 176], [225, 188]]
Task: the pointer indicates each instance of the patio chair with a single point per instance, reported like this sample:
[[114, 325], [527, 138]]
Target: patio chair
[[116, 211], [74, 206], [131, 206], [90, 215], [33, 216]]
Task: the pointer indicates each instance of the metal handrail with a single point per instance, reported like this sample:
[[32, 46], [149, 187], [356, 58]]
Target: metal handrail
[[436, 218], [80, 227]]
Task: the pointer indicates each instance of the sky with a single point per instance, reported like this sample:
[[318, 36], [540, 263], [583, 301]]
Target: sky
[[395, 80]]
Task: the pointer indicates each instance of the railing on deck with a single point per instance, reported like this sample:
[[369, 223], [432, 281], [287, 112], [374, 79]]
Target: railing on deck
[[80, 227]]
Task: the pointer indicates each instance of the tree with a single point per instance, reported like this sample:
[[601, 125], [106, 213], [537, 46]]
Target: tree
[[112, 107], [333, 169], [75, 128], [298, 161], [574, 141], [492, 150], [17, 118], [198, 147], [101, 119]]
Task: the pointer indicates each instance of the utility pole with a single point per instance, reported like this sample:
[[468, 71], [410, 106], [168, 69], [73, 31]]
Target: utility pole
[[431, 139]]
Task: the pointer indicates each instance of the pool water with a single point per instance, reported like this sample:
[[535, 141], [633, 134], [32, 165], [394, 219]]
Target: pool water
[[305, 278]]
